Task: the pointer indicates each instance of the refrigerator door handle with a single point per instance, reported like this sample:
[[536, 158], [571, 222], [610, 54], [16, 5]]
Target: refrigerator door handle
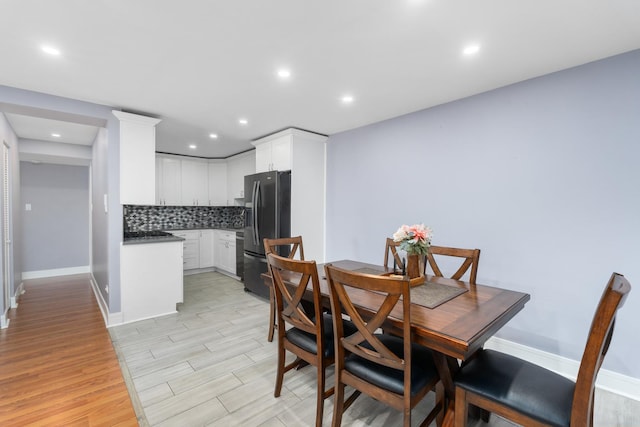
[[260, 259], [253, 214], [256, 225]]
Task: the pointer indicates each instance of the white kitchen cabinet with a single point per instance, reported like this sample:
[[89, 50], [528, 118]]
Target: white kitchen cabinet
[[304, 154], [206, 249], [168, 181], [274, 152], [195, 183], [137, 158], [237, 168], [151, 280], [218, 184], [191, 245], [225, 255]]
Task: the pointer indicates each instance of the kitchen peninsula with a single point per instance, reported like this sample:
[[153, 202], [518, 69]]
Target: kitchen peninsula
[[161, 243]]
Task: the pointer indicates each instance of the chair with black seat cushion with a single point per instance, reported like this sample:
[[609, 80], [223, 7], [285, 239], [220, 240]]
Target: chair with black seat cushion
[[530, 395], [310, 334], [471, 258], [391, 369], [289, 247], [391, 248]]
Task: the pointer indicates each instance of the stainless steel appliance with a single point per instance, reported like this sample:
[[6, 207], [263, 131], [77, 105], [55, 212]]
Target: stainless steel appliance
[[268, 215]]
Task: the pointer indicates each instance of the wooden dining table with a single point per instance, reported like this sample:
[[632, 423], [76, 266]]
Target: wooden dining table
[[454, 330]]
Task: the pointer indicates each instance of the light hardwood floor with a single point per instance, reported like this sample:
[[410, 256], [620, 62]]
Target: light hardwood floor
[[57, 363]]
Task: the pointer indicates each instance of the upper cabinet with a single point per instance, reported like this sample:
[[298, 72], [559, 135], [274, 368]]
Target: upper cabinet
[[238, 167], [218, 183], [195, 183], [273, 152], [304, 154], [168, 181], [137, 158]]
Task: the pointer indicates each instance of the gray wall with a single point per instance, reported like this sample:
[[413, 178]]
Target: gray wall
[[107, 234], [542, 176], [55, 232]]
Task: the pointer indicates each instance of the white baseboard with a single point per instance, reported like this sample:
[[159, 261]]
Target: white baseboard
[[613, 382], [4, 320], [16, 297], [110, 319], [26, 275]]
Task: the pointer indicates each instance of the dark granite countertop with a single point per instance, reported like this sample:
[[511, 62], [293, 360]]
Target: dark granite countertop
[[160, 236]]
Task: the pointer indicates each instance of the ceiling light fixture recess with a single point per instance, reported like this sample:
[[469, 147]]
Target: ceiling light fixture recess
[[243, 122], [283, 73], [56, 135], [471, 49], [193, 146], [50, 50], [347, 99], [213, 135]]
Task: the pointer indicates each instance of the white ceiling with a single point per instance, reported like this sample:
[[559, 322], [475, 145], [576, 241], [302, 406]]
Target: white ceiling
[[200, 65]]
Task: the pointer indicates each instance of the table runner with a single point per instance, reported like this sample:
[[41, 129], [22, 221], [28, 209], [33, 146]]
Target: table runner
[[431, 294]]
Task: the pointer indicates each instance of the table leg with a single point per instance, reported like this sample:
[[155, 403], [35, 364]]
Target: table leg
[[447, 367]]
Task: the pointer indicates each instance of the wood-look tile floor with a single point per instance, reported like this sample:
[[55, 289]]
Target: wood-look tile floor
[[58, 366], [211, 365]]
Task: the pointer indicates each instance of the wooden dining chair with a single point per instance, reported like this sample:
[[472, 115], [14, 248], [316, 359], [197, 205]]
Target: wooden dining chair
[[391, 248], [471, 258], [530, 395], [289, 247], [391, 369], [310, 336]]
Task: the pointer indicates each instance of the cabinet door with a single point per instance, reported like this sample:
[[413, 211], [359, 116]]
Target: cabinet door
[[206, 248], [195, 183], [218, 184], [281, 154], [263, 157], [137, 158], [170, 181]]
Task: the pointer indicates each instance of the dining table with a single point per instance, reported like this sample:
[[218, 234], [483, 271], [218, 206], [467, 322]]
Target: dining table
[[451, 317]]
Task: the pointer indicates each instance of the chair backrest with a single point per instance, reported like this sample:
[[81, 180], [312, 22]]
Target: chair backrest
[[471, 259], [596, 348], [286, 246], [291, 278], [391, 248], [364, 343]]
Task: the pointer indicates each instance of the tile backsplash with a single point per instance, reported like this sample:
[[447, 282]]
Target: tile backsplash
[[146, 218]]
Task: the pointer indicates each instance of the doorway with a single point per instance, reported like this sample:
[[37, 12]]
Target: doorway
[[6, 236]]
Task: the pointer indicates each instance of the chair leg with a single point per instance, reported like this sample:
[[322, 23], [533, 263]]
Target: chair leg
[[320, 394], [280, 371], [461, 408], [272, 315], [338, 403]]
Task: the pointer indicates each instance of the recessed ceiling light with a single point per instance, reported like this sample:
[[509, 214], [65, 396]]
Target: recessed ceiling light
[[243, 121], [55, 135], [193, 146], [472, 49], [347, 99], [213, 135], [283, 73], [51, 50]]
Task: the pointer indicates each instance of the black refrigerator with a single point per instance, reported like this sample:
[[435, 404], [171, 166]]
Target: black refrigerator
[[267, 215]]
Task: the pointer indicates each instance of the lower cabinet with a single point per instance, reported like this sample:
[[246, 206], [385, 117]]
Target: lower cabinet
[[150, 289], [209, 248], [225, 256], [191, 245]]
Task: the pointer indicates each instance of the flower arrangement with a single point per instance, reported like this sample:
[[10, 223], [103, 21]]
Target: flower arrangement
[[414, 239]]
